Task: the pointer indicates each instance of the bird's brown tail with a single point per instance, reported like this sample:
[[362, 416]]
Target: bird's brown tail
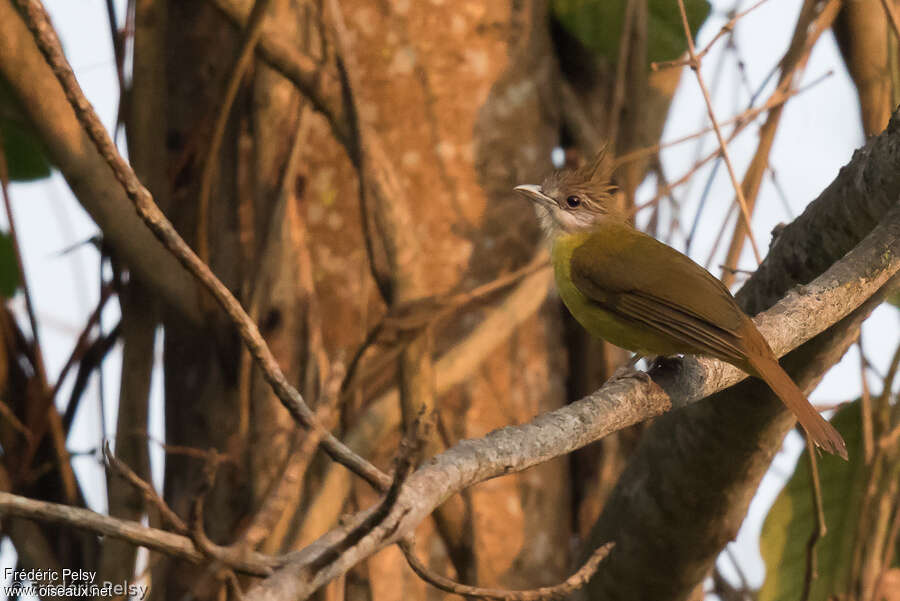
[[817, 428]]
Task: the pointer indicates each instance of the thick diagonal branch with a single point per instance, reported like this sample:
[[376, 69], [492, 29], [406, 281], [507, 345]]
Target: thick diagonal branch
[[618, 404]]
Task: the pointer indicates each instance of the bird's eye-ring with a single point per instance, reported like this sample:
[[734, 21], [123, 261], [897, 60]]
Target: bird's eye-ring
[[573, 201]]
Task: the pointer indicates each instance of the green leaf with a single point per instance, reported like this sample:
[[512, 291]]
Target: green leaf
[[790, 521], [25, 157], [894, 298], [598, 25], [9, 269]]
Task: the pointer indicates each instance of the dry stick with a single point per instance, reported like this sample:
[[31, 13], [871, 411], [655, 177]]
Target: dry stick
[[9, 415], [452, 368], [291, 479], [864, 519], [810, 25], [46, 413], [719, 236], [890, 438], [440, 309], [186, 451], [739, 128], [146, 489], [45, 37], [248, 46], [745, 584], [887, 385], [26, 290], [558, 591], [695, 66], [171, 544], [741, 124], [891, 547], [891, 373], [865, 406], [743, 119], [727, 28], [819, 530], [407, 456], [82, 342], [238, 558]]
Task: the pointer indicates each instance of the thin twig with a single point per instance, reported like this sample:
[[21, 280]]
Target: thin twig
[[169, 543], [407, 456], [695, 66], [243, 61], [819, 529], [890, 549], [726, 29], [742, 120], [745, 583], [237, 558], [558, 591], [81, 345], [234, 584], [9, 415], [719, 236], [887, 385], [146, 489], [47, 416], [868, 432], [814, 19], [405, 318], [290, 480], [92, 357], [39, 23], [20, 265]]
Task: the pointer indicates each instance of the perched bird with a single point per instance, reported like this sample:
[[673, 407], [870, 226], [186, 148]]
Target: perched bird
[[630, 289]]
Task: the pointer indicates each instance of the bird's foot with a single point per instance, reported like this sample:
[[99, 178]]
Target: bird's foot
[[628, 371]]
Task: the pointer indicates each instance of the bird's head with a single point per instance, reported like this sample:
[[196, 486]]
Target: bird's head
[[572, 200]]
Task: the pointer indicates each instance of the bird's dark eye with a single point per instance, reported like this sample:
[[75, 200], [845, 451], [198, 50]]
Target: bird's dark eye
[[573, 201]]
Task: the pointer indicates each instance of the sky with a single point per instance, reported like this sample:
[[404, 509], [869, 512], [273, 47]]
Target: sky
[[819, 131]]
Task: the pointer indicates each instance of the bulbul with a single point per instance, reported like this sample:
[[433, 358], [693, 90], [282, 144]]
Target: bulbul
[[630, 289]]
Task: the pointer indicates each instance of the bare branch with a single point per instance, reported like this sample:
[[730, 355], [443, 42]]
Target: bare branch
[[145, 488], [558, 591], [695, 66], [133, 532], [39, 24], [725, 29], [819, 528]]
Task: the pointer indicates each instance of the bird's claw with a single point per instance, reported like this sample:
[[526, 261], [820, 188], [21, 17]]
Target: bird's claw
[[628, 371]]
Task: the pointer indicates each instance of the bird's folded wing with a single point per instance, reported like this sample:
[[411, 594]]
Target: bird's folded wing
[[680, 325], [632, 274]]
